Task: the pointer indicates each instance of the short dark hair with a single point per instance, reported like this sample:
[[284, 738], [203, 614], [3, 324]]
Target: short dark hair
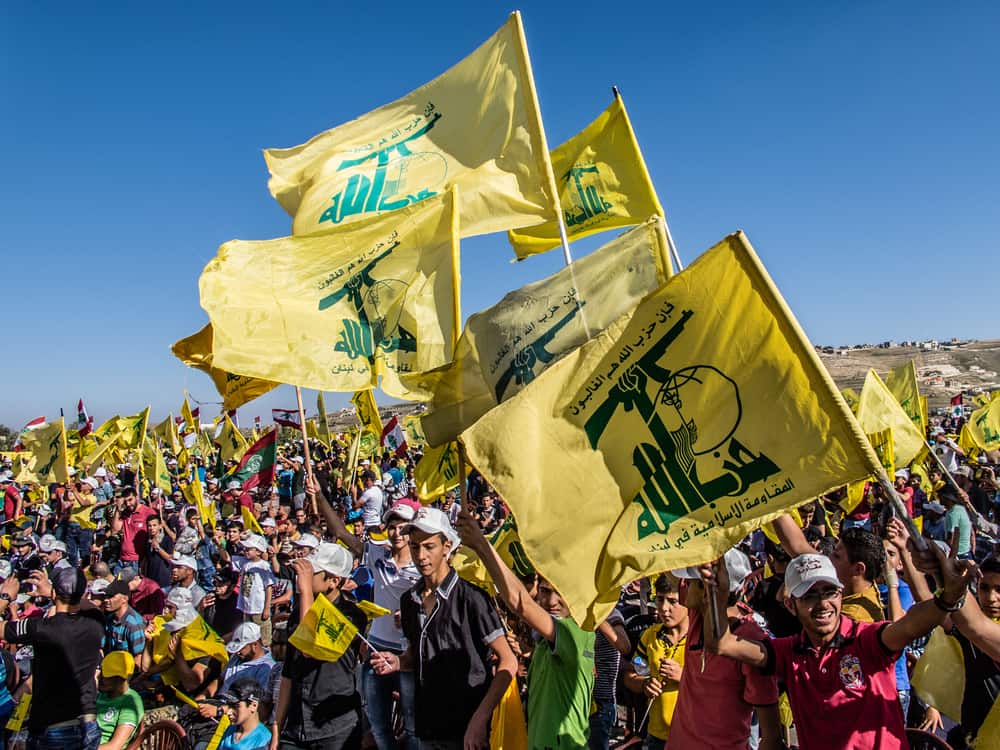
[[990, 565], [663, 586], [864, 547]]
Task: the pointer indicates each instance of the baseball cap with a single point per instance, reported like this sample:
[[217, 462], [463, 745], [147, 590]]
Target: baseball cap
[[268, 523], [404, 511], [98, 588], [69, 584], [244, 635], [255, 541], [244, 689], [117, 587], [225, 577], [902, 474], [737, 567], [333, 559], [306, 540], [49, 543], [44, 510], [234, 485], [118, 664], [434, 521], [963, 471], [805, 571], [94, 484], [299, 460], [935, 507], [184, 561], [100, 472]]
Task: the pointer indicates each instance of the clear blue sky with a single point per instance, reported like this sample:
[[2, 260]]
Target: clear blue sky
[[856, 144]]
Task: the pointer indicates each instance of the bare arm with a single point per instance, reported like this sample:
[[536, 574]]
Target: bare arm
[[898, 536], [729, 644], [477, 734], [978, 628], [334, 522], [281, 712], [119, 739], [791, 536], [616, 636], [770, 728]]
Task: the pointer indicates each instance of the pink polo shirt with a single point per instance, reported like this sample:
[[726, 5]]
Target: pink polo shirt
[[843, 696]]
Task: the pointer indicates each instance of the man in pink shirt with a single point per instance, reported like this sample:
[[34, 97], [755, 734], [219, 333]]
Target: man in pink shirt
[[840, 674], [130, 520]]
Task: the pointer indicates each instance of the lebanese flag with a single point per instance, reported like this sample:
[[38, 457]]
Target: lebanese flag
[[84, 423], [256, 423], [393, 437], [956, 400], [257, 466], [34, 424], [286, 418]]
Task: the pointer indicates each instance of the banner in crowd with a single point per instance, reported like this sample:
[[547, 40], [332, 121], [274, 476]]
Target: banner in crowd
[[984, 426], [236, 390], [603, 184], [232, 444], [367, 411], [257, 467], [322, 421], [902, 383], [154, 468], [879, 410], [437, 472], [504, 347], [336, 311], [673, 433], [477, 126], [47, 443]]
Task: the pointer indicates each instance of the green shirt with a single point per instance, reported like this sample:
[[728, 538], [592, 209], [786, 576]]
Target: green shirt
[[956, 517], [112, 711], [560, 683]]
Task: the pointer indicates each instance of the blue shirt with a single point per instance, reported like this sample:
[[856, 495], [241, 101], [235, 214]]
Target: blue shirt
[[258, 739], [127, 634], [906, 600]]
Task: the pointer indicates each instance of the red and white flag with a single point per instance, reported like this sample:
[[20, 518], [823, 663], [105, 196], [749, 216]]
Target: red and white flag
[[286, 418], [256, 423], [84, 423], [34, 424], [393, 437]]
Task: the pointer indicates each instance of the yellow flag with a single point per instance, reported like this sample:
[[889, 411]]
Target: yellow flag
[[603, 184], [232, 444], [322, 421], [967, 444], [984, 426], [250, 521], [415, 437], [372, 610], [367, 410], [923, 411], [902, 383], [324, 633], [506, 346], [694, 418], [236, 390], [851, 397], [154, 468], [191, 424], [885, 449], [197, 639], [879, 410], [436, 472], [335, 311], [48, 445], [477, 126], [939, 675], [133, 430], [196, 496], [17, 719]]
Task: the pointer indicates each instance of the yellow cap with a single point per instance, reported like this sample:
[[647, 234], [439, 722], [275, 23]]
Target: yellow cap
[[118, 664]]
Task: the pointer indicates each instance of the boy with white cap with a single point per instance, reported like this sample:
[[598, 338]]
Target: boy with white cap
[[256, 583], [318, 702], [183, 575], [840, 673]]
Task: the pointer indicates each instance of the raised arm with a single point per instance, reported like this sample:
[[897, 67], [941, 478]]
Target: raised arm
[[334, 523]]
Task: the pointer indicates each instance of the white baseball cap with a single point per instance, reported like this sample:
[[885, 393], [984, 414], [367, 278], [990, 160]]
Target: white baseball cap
[[737, 567], [434, 521], [805, 571], [306, 540], [255, 541], [401, 510], [234, 485], [244, 635], [268, 522], [49, 543], [101, 472], [184, 561], [333, 559]]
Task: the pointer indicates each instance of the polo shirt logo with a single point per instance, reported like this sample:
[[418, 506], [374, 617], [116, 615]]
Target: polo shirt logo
[[850, 672]]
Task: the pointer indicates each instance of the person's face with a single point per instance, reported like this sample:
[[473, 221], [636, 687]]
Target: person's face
[[233, 533], [114, 603], [23, 549], [429, 551], [398, 538], [669, 609], [153, 526], [246, 653], [818, 610], [359, 528], [840, 562], [892, 560], [300, 516], [900, 483], [179, 574], [131, 503], [169, 611], [989, 595], [242, 711], [550, 600]]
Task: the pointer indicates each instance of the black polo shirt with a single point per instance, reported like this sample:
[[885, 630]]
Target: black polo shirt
[[452, 654]]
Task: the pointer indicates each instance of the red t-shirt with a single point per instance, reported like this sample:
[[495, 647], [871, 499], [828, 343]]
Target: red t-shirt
[[134, 537], [148, 598], [843, 696], [714, 704], [10, 498]]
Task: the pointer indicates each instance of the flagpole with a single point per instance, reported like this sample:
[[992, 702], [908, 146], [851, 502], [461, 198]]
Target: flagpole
[[305, 442]]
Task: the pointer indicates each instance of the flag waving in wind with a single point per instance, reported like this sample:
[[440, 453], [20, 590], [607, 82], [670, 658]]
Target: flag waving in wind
[[476, 126], [287, 418], [236, 390], [84, 423], [393, 437]]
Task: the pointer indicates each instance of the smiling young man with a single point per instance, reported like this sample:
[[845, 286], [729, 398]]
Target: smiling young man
[[840, 672], [453, 632]]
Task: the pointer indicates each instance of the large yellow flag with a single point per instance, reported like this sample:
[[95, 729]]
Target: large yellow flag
[[236, 390], [106, 428], [133, 430], [48, 446], [685, 424], [91, 460], [984, 426], [477, 126], [154, 468], [603, 184], [335, 311], [196, 496], [192, 425], [851, 397], [324, 632], [902, 383], [506, 346], [879, 410], [322, 421], [232, 444], [437, 472], [367, 410]]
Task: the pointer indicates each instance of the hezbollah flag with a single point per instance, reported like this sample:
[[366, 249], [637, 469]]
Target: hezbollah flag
[[133, 430], [902, 383], [851, 397], [195, 495], [367, 410], [232, 444], [322, 421], [984, 426], [687, 423], [603, 184], [324, 633], [257, 466], [48, 446], [236, 390], [197, 640], [437, 472], [335, 311], [505, 347], [414, 431], [879, 410], [477, 126], [154, 468]]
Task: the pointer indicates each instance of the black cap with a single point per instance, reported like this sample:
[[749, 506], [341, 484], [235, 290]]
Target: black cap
[[69, 584], [117, 587], [243, 689]]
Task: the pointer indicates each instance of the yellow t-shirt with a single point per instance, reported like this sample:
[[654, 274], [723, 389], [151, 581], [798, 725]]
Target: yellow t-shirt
[[80, 514], [865, 606], [654, 650]]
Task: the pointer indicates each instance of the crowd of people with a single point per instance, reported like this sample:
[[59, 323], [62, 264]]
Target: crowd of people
[[122, 605]]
